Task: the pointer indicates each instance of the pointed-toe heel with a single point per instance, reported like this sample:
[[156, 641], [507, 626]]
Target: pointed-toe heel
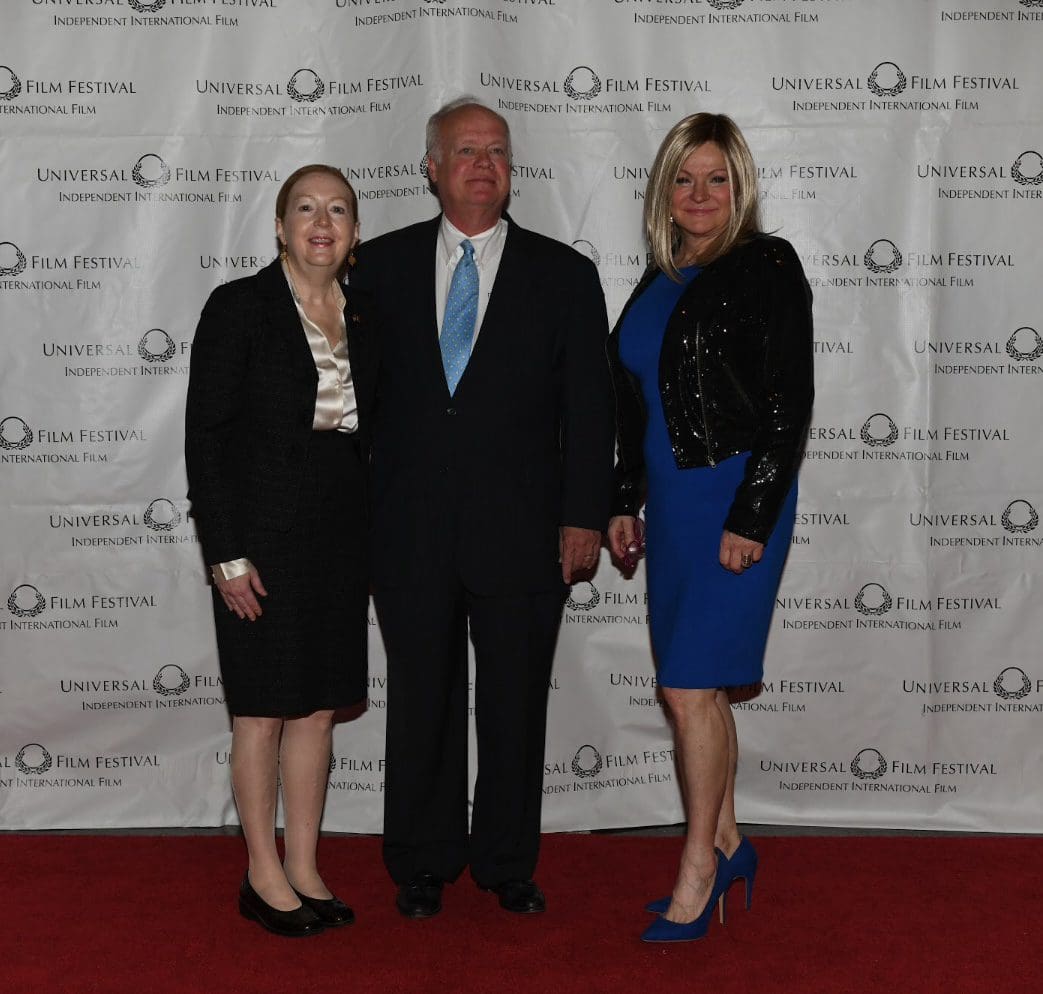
[[659, 907], [664, 930]]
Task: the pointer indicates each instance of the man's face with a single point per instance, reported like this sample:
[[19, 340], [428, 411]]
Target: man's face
[[473, 170]]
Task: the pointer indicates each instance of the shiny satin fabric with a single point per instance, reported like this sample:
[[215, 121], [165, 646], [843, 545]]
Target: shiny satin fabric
[[335, 405]]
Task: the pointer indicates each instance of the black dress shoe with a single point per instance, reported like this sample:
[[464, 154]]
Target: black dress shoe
[[294, 924], [522, 897], [421, 897], [332, 911]]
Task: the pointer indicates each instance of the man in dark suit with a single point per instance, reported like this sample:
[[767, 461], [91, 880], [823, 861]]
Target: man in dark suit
[[491, 480]]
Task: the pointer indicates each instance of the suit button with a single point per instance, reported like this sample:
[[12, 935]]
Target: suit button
[[450, 411]]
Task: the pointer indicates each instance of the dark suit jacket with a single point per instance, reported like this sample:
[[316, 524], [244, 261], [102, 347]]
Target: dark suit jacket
[[251, 401], [478, 483]]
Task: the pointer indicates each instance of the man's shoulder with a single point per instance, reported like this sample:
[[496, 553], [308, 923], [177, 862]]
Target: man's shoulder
[[394, 241], [548, 251]]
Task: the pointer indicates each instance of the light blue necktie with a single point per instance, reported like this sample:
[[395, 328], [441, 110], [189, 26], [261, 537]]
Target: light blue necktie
[[461, 312]]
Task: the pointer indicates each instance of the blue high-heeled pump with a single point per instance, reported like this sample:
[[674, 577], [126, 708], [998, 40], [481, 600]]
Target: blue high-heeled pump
[[663, 930], [742, 865]]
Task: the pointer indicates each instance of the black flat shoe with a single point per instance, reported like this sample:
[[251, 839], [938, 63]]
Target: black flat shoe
[[522, 897], [294, 924], [332, 911], [421, 897]]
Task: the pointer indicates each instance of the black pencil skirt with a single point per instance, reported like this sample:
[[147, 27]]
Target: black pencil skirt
[[307, 651]]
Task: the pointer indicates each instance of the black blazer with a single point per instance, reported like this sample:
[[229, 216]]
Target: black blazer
[[736, 374], [251, 402], [477, 484]]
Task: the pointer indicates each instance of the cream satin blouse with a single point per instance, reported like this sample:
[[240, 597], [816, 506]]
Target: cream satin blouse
[[335, 405]]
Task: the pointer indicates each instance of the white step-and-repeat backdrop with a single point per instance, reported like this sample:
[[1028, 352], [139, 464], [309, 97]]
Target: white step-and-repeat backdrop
[[141, 147]]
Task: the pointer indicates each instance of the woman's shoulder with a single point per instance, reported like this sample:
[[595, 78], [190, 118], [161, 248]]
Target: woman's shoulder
[[246, 288], [769, 249]]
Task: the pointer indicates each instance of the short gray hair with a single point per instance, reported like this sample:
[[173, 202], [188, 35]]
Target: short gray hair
[[433, 135]]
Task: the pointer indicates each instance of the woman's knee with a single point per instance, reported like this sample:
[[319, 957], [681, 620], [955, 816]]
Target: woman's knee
[[247, 726], [316, 722], [689, 705]]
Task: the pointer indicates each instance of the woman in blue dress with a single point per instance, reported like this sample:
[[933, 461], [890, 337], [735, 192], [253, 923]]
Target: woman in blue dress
[[712, 362]]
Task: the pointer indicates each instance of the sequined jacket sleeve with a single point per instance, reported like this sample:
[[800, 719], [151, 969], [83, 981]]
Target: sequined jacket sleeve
[[631, 415], [786, 393]]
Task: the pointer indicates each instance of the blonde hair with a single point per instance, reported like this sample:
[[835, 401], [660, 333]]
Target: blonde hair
[[683, 138]]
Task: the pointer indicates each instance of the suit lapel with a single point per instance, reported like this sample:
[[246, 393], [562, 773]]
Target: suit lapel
[[280, 315], [418, 295]]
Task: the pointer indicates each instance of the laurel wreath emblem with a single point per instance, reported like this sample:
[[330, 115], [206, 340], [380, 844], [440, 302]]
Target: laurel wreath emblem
[[590, 94], [871, 440], [156, 356], [1015, 353], [164, 691], [591, 252], [726, 4], [42, 767], [15, 88], [885, 603], [874, 774], [587, 771], [26, 612], [142, 180], [19, 265], [1017, 529], [1012, 695], [1019, 177], [144, 7], [587, 605], [23, 443], [162, 526], [873, 266], [886, 91], [291, 87]]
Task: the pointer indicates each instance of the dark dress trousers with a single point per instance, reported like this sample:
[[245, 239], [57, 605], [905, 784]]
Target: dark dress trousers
[[264, 485], [468, 493]]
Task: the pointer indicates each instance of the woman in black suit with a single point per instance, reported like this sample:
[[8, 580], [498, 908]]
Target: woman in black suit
[[275, 444]]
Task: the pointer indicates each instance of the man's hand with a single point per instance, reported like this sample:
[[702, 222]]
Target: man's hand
[[578, 549], [239, 594]]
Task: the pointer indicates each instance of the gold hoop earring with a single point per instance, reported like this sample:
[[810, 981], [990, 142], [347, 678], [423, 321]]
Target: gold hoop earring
[[282, 253]]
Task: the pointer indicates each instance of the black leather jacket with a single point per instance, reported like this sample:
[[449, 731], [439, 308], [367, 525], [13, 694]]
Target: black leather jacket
[[735, 375]]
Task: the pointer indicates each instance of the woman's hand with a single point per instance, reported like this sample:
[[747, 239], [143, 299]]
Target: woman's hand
[[239, 594], [621, 533], [738, 553]]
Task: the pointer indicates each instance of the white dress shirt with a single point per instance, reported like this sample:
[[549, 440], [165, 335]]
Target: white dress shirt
[[488, 251]]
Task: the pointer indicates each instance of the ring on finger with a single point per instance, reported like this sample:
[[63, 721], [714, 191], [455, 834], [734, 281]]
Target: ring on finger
[[746, 561]]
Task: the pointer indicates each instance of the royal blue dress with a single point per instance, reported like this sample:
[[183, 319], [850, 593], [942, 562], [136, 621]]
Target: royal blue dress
[[709, 626]]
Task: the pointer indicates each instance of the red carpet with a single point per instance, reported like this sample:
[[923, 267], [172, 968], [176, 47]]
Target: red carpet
[[896, 915]]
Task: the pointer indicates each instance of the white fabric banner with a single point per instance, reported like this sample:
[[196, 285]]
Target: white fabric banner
[[141, 147]]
